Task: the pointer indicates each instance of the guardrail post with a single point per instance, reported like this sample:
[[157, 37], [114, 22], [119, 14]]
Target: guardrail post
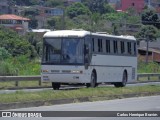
[[148, 77], [16, 83], [40, 83], [137, 78]]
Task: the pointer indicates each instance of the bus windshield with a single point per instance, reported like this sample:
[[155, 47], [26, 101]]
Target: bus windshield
[[63, 51]]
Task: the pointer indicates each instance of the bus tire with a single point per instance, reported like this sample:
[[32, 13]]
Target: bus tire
[[93, 80], [124, 80], [56, 86]]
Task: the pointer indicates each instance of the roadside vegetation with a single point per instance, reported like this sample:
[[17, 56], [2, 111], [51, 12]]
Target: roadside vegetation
[[21, 96], [20, 66], [19, 55], [151, 67]]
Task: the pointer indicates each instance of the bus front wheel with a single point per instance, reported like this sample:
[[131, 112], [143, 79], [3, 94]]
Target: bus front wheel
[[55, 86]]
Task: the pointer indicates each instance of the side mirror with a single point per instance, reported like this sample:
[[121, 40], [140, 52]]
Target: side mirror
[[86, 49]]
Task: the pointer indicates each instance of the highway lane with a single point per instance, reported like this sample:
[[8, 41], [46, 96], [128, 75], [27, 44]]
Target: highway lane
[[73, 87], [151, 103]]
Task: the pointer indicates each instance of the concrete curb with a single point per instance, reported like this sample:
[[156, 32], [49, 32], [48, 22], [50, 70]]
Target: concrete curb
[[5, 106]]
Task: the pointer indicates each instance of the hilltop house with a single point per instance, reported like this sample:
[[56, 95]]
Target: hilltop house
[[153, 52], [17, 23]]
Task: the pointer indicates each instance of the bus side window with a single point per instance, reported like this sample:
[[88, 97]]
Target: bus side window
[[115, 46], [96, 45], [107, 46], [93, 47], [129, 47], [122, 47], [99, 45]]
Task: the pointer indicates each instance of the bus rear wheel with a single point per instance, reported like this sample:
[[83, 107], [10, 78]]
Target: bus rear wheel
[[56, 86], [124, 81], [93, 82]]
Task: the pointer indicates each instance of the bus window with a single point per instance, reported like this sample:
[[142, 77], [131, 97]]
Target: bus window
[[52, 49], [129, 47], [99, 45], [93, 44], [72, 50], [108, 46], [115, 47], [122, 47]]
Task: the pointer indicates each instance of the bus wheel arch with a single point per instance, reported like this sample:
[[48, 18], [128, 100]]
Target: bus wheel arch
[[124, 80]]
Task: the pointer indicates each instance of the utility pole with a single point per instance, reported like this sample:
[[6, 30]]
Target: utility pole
[[147, 41], [63, 17]]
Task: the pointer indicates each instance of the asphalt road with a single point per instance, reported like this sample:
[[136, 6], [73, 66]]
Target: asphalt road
[[151, 103], [73, 87]]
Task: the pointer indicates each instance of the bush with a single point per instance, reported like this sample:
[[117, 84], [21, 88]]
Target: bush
[[16, 45], [151, 67], [4, 53], [19, 66], [7, 69]]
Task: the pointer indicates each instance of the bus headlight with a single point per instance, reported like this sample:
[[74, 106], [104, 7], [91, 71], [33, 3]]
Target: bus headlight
[[77, 71]]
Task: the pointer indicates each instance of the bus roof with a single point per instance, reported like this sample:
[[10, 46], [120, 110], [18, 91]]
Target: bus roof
[[82, 33], [67, 33]]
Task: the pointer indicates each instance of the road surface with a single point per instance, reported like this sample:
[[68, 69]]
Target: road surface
[[151, 103]]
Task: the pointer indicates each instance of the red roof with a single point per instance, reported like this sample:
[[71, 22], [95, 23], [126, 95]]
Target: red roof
[[12, 17]]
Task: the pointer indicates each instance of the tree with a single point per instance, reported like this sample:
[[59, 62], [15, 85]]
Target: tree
[[115, 28], [150, 17], [54, 3], [4, 53], [51, 22], [96, 6], [117, 16], [95, 18], [33, 23], [26, 2], [15, 45], [31, 13], [77, 9], [55, 22], [147, 33], [36, 43], [109, 9]]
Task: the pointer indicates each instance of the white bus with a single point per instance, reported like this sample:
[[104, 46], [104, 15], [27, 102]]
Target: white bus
[[83, 57]]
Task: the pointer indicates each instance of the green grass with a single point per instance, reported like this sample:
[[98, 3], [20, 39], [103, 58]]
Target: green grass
[[5, 85], [20, 66], [20, 96], [151, 67]]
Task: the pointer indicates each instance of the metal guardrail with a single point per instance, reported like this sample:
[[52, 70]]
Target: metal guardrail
[[17, 79], [148, 76]]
